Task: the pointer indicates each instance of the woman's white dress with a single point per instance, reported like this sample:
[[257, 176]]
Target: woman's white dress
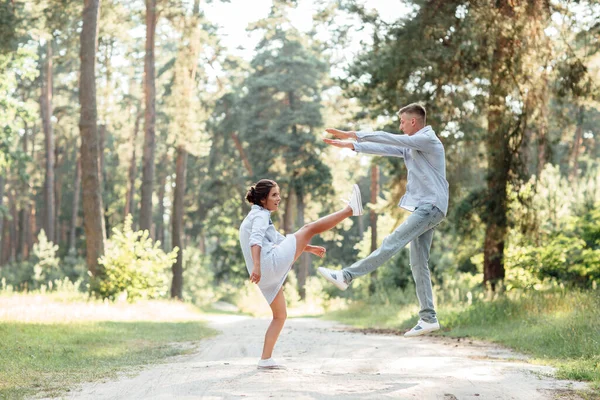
[[276, 254]]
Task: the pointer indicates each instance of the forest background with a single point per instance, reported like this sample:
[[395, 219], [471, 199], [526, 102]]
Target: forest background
[[131, 131]]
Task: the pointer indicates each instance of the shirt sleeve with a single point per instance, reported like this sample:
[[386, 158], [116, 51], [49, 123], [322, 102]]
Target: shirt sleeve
[[379, 149], [421, 142], [259, 228]]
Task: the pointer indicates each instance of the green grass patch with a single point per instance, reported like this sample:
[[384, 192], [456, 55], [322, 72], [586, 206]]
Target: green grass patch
[[559, 328], [47, 359]]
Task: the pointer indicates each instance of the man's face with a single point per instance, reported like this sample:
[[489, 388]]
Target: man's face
[[409, 124], [271, 203]]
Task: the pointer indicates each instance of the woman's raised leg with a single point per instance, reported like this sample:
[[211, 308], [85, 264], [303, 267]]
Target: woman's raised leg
[[306, 233]]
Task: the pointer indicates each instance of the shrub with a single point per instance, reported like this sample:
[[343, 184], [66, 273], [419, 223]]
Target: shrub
[[133, 266]]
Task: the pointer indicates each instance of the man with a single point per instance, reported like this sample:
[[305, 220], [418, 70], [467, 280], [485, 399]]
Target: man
[[426, 197]]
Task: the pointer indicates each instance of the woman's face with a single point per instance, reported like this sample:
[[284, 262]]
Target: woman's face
[[271, 203]]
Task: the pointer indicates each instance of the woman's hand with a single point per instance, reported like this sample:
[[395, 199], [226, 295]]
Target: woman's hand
[[255, 275], [318, 251]]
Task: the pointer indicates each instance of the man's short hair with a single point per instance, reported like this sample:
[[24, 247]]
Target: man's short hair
[[414, 109]]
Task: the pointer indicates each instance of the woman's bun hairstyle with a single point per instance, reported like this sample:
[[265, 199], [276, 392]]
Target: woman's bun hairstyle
[[260, 191], [250, 195]]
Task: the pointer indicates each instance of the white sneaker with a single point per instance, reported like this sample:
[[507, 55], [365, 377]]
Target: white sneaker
[[355, 202], [269, 363], [335, 277], [422, 328]]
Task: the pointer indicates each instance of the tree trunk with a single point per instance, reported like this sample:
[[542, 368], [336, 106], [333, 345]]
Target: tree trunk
[[543, 144], [162, 185], [149, 120], [243, 156], [373, 218], [304, 264], [75, 208], [103, 176], [2, 174], [33, 227], [57, 192], [498, 156], [46, 111], [93, 218], [288, 218], [101, 146], [12, 235], [22, 248], [22, 243], [577, 145], [132, 168], [179, 192]]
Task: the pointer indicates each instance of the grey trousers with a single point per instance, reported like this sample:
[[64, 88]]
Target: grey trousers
[[418, 231]]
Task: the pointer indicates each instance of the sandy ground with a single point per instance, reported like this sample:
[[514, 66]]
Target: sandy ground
[[326, 360]]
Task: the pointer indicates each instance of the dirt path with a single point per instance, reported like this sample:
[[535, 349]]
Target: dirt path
[[326, 360]]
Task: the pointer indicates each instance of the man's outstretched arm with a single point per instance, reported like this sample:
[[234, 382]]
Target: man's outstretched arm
[[368, 148]]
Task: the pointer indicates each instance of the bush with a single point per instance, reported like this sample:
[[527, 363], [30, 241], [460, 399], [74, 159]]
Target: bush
[[45, 262], [133, 266], [42, 268]]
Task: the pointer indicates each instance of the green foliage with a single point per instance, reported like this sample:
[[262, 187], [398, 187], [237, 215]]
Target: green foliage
[[8, 26], [46, 264], [133, 266], [44, 270], [558, 236], [281, 109], [198, 278]]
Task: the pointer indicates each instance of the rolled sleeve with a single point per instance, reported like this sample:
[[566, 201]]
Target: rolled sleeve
[[259, 228]]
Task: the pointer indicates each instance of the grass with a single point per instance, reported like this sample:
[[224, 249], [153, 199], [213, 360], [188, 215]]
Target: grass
[[71, 346], [560, 328]]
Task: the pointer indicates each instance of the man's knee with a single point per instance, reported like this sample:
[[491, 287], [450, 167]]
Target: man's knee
[[419, 266]]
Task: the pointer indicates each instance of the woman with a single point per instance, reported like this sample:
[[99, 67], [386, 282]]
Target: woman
[[269, 255]]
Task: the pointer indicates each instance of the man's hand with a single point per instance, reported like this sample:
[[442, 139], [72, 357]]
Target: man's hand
[[341, 134], [316, 250], [339, 143], [255, 275]]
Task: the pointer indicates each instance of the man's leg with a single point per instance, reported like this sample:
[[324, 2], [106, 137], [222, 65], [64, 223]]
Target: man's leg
[[420, 221], [419, 259]]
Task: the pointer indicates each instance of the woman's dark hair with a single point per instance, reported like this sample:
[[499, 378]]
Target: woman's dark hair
[[260, 191]]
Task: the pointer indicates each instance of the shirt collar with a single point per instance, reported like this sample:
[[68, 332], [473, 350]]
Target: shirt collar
[[257, 207], [424, 129]]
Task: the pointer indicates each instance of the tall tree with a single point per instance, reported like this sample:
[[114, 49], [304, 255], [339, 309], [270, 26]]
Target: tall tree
[[149, 119], [186, 68], [46, 112], [93, 210], [75, 206], [132, 172], [282, 113], [498, 76]]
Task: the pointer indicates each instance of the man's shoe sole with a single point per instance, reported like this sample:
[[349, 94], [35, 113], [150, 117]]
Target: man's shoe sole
[[360, 207], [272, 367], [421, 332], [331, 280]]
